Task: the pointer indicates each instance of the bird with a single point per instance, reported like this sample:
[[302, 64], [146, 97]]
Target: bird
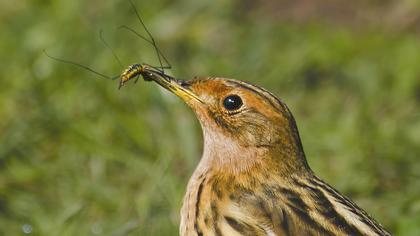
[[253, 177]]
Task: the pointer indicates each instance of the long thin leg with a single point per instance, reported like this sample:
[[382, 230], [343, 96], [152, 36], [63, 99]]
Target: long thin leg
[[109, 48], [78, 65], [149, 34], [168, 65]]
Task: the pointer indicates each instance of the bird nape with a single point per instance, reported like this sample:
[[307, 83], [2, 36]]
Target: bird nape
[[253, 177]]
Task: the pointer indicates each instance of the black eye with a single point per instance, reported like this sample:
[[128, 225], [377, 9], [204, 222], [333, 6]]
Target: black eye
[[232, 102]]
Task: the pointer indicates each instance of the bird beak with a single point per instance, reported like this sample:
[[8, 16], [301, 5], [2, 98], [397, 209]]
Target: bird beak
[[177, 86]]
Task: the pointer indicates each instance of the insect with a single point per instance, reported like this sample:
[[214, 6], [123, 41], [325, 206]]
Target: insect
[[148, 72]]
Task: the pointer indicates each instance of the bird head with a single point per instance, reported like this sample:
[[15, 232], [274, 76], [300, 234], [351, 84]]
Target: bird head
[[242, 124]]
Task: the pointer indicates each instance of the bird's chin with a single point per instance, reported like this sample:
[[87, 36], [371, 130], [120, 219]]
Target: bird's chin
[[227, 155]]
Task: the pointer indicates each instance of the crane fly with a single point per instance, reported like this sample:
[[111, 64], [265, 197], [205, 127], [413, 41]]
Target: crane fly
[[148, 72]]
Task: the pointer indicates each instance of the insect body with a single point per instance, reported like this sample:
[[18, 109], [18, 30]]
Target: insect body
[[131, 72], [147, 72]]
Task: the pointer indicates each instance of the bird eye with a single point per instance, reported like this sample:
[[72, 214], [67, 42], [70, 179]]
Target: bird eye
[[232, 102]]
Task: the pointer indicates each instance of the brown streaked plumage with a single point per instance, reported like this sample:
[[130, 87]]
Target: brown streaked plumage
[[253, 178]]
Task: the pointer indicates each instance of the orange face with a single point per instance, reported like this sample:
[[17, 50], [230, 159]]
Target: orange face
[[240, 122], [251, 114]]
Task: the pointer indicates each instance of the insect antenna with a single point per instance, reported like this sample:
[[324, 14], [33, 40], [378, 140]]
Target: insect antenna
[[79, 65], [152, 40]]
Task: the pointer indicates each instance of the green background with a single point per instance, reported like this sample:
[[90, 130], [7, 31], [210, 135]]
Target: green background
[[80, 157]]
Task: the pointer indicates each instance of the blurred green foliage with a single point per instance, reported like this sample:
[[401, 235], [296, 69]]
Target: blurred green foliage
[[79, 157]]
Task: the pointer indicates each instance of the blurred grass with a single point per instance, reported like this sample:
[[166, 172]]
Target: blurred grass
[[79, 157]]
